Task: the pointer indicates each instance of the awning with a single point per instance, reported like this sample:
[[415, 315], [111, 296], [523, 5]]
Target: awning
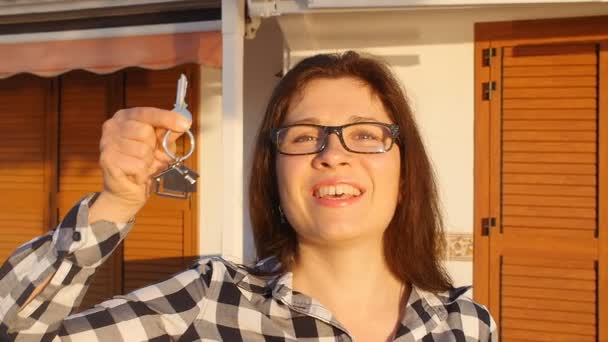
[[106, 55]]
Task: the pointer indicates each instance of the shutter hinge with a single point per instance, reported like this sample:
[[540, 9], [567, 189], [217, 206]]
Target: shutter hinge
[[486, 90], [486, 224], [486, 56]]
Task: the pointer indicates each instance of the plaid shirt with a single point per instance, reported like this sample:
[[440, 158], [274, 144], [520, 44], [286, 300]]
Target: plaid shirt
[[214, 300]]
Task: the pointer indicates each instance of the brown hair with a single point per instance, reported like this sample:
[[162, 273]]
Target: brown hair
[[414, 241]]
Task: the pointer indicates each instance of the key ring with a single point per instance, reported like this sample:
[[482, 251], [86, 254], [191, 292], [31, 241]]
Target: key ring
[[171, 154]]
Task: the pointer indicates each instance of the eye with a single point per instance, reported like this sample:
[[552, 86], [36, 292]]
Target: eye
[[303, 138], [301, 135], [365, 135]]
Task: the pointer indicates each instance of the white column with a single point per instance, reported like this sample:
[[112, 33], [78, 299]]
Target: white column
[[233, 32], [210, 159]]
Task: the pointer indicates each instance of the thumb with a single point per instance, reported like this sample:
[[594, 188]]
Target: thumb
[[156, 117]]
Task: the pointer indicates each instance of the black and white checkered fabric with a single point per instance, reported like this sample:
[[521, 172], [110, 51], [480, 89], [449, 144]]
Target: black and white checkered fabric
[[215, 300]]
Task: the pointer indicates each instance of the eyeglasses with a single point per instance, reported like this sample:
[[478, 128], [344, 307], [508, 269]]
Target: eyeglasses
[[360, 137]]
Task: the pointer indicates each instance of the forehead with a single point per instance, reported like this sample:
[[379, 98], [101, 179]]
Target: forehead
[[334, 102]]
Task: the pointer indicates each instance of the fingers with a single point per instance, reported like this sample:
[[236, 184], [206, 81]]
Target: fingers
[[158, 166], [155, 117], [136, 149], [161, 156], [138, 131], [114, 130], [139, 154], [122, 166], [131, 167]]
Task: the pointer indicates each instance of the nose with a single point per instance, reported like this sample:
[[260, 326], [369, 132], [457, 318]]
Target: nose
[[333, 154]]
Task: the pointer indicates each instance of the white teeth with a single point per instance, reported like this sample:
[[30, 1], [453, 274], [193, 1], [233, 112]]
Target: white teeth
[[332, 190], [339, 189]]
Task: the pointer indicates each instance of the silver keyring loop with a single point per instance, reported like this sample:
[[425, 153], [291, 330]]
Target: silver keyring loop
[[171, 154]]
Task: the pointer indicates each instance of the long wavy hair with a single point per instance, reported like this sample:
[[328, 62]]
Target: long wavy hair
[[414, 241]]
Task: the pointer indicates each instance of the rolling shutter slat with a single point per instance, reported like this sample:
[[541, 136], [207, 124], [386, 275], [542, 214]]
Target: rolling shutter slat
[[547, 171], [550, 71], [550, 114], [23, 177]]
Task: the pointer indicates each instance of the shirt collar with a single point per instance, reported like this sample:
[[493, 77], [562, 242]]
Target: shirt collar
[[267, 274], [260, 278], [423, 310], [280, 286]]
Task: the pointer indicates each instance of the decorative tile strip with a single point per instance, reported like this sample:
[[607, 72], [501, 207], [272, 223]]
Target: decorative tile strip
[[460, 246]]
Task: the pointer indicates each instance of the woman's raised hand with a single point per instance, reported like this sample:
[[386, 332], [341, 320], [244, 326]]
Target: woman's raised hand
[[131, 152]]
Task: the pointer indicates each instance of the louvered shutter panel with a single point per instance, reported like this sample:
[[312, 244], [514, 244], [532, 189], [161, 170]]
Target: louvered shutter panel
[[544, 183], [86, 101], [162, 241], [551, 300], [25, 108]]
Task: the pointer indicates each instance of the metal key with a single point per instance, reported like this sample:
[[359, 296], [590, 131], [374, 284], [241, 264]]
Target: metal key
[[180, 98], [177, 181]]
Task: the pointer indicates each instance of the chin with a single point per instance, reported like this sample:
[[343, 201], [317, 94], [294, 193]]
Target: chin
[[340, 232]]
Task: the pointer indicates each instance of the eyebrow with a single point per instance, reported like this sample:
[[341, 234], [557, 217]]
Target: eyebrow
[[351, 119]]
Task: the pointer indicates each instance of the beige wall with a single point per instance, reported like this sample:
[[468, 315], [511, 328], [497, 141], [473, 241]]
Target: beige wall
[[432, 53], [263, 60]]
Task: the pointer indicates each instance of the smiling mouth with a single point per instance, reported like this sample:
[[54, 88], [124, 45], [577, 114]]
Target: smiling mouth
[[337, 191]]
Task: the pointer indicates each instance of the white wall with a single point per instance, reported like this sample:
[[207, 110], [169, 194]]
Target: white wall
[[431, 51], [263, 60]]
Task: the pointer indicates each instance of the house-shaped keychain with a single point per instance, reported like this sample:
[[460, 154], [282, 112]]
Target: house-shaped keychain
[[178, 181]]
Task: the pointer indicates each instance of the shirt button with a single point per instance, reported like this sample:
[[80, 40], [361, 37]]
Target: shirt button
[[76, 236]]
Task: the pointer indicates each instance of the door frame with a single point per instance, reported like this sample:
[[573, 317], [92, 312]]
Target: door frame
[[540, 31]]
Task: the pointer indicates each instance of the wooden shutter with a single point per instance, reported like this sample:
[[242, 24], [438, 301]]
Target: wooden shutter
[[163, 240], [86, 101], [26, 111], [544, 254], [49, 159]]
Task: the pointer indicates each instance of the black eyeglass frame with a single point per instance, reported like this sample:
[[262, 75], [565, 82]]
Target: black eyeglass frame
[[327, 130]]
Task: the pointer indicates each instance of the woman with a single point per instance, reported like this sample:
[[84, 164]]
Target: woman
[[345, 217]]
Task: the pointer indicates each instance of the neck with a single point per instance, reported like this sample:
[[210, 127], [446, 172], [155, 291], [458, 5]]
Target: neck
[[349, 273]]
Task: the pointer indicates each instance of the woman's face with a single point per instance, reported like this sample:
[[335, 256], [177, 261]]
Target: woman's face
[[305, 180]]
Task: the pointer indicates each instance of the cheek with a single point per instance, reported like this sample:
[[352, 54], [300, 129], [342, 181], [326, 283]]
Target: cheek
[[281, 169], [396, 170], [289, 172], [386, 173]]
